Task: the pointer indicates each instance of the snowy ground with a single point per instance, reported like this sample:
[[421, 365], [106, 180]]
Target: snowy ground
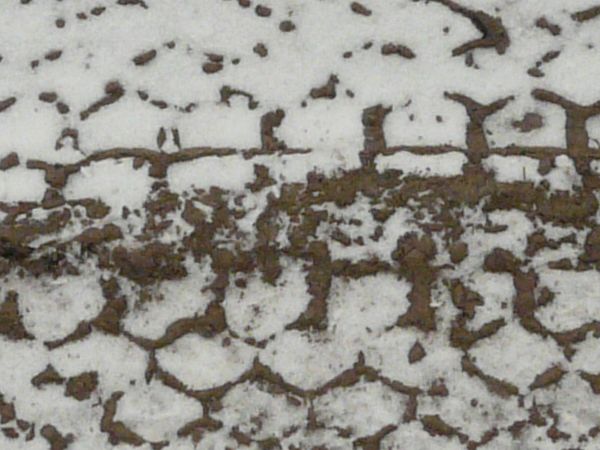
[[289, 224]]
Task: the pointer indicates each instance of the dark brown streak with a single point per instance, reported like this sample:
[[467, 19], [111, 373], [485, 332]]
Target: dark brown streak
[[494, 32]]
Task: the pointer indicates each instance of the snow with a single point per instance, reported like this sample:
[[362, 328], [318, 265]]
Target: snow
[[172, 300], [339, 406], [368, 305], [20, 184], [307, 361], [246, 402], [211, 171], [167, 410], [510, 169], [361, 313], [445, 165], [260, 311], [575, 301], [112, 181], [516, 356], [205, 363], [51, 311]]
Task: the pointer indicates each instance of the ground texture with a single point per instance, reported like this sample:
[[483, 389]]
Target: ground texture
[[299, 224]]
